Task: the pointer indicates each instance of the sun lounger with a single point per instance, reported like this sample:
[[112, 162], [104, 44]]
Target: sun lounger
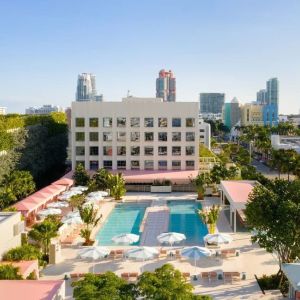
[[125, 276], [229, 253], [231, 276], [210, 276], [178, 254], [186, 275], [162, 253]]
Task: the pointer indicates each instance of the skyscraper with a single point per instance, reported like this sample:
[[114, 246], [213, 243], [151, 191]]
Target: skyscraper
[[86, 88], [261, 96], [272, 91], [166, 86], [211, 103], [231, 113]]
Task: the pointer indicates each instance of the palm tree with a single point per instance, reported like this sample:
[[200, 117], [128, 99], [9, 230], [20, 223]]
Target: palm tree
[[210, 217], [117, 186], [42, 233], [100, 180], [76, 201], [9, 272], [89, 216], [200, 182]]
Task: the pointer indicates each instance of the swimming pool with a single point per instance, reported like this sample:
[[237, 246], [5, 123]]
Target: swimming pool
[[127, 218], [183, 219]]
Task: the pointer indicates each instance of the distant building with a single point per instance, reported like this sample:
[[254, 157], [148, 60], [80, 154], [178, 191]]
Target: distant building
[[231, 113], [269, 98], [211, 103], [252, 114], [135, 134], [44, 110], [86, 88], [285, 142], [166, 86], [2, 110], [210, 116], [204, 134]]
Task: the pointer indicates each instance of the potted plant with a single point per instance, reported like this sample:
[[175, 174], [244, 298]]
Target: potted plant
[[117, 186], [163, 186], [200, 183], [210, 217]]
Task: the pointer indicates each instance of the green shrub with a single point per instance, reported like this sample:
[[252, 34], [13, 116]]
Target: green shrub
[[25, 252]]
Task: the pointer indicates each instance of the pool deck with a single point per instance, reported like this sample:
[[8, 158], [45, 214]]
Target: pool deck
[[253, 260]]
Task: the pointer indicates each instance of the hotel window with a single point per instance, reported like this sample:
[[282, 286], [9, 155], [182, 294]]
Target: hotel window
[[148, 122], [135, 150], [121, 136], [107, 136], [149, 136], [176, 164], [135, 136], [94, 150], [162, 136], [149, 165], [107, 164], [107, 150], [121, 150], [176, 122], [135, 122], [94, 136], [162, 150], [80, 150], [176, 136], [79, 122], [121, 122], [80, 136], [94, 122], [94, 165], [148, 150], [189, 164], [190, 150], [121, 164], [190, 136], [201, 130], [162, 165], [162, 122], [135, 164], [176, 150], [201, 136], [190, 122], [107, 122], [80, 162]]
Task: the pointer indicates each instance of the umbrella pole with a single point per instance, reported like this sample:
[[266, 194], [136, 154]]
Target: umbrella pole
[[195, 264]]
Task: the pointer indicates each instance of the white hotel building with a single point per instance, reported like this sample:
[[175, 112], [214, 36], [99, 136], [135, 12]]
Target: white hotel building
[[135, 134]]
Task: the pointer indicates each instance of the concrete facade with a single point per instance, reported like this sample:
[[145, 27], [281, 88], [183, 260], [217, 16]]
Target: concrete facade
[[204, 133], [11, 228], [251, 114], [135, 134]]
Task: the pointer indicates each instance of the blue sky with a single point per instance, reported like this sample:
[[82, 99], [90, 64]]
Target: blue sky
[[230, 46]]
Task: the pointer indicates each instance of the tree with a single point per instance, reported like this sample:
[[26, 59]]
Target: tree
[[220, 172], [20, 183], [76, 201], [272, 211], [9, 272], [200, 182], [117, 186], [42, 233], [166, 283], [210, 217], [104, 286], [81, 176], [100, 180], [24, 252], [89, 216]]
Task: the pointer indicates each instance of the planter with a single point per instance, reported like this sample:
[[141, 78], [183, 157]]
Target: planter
[[161, 189]]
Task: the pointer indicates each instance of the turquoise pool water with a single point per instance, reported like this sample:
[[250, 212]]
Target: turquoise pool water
[[183, 219], [125, 218]]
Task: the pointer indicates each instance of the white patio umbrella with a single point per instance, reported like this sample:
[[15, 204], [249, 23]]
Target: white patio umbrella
[[125, 238], [218, 238], [98, 194], [79, 188], [49, 211], [67, 195], [72, 214], [58, 204], [73, 220], [142, 253], [171, 237], [94, 253]]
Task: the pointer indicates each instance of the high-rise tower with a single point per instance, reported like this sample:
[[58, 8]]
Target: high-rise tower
[[86, 88], [166, 86]]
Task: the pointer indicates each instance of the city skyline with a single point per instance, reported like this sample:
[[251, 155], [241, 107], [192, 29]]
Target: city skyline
[[41, 46]]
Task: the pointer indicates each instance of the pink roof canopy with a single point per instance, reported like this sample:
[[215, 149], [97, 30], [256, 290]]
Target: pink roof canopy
[[25, 266], [29, 289], [39, 198], [139, 176], [64, 181], [238, 191]]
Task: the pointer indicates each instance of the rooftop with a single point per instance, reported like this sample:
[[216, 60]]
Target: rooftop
[[5, 215], [29, 289]]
